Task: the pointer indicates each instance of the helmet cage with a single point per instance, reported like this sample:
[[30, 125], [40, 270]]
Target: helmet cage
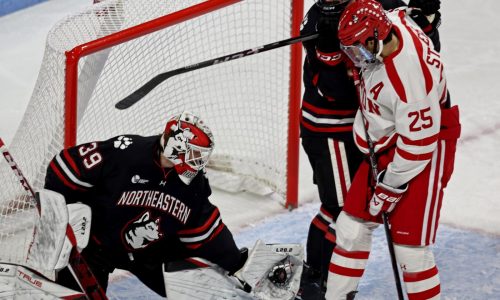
[[196, 156]]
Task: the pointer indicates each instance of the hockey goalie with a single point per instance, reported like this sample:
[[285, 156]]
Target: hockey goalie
[[270, 271], [141, 204]]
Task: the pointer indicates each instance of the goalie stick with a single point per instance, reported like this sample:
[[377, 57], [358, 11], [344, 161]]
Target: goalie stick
[[79, 267], [373, 166], [158, 79]]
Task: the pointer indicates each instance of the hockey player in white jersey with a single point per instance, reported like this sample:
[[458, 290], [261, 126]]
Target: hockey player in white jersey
[[406, 120]]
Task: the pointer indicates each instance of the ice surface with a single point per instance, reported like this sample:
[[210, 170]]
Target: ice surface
[[468, 241]]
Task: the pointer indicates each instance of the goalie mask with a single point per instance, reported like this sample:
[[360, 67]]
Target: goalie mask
[[188, 143], [363, 27]]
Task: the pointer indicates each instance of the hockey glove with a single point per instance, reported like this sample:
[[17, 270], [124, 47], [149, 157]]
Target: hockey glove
[[328, 44], [423, 21], [385, 197], [428, 7]]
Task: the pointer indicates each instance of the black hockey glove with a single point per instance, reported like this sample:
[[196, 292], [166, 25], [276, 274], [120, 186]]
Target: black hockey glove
[[327, 29], [428, 7], [423, 22], [328, 44]]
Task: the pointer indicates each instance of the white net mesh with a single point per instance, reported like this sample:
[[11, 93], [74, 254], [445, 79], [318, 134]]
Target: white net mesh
[[244, 102]]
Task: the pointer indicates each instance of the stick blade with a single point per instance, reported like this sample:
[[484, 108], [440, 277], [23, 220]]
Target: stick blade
[[145, 89], [129, 100]]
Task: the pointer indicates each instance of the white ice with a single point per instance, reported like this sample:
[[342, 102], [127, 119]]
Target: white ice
[[468, 242]]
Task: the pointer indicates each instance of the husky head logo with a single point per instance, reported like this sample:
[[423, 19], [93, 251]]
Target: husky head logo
[[177, 143], [142, 232]]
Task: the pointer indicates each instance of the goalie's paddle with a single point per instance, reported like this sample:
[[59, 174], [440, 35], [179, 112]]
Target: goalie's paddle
[[158, 79], [78, 265]]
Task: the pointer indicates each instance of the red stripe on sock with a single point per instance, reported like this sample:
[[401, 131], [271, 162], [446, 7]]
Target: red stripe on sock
[[419, 276], [425, 294], [336, 269], [352, 254]]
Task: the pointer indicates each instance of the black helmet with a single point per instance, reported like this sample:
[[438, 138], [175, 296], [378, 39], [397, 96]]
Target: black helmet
[[331, 6]]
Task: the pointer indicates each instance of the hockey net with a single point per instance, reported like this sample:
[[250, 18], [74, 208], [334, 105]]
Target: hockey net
[[97, 57]]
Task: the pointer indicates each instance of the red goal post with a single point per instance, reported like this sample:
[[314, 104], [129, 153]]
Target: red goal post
[[97, 57]]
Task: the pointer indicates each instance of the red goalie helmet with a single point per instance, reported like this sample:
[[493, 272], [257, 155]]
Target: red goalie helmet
[[363, 21], [188, 143]]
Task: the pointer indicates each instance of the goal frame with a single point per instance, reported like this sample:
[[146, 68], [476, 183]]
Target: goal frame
[[74, 55]]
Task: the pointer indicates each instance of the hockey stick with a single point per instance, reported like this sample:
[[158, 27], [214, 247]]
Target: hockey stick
[[373, 166], [158, 79], [79, 267]]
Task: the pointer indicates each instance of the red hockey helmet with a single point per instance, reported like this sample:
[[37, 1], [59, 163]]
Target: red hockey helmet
[[363, 21], [188, 143]]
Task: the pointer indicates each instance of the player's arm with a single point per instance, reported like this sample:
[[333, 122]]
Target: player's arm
[[417, 126], [308, 26], [76, 170], [210, 238], [206, 235], [325, 64]]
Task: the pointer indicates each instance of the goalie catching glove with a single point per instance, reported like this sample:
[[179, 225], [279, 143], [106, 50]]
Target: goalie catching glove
[[385, 197]]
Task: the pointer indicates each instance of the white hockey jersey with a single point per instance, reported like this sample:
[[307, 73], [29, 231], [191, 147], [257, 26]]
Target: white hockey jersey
[[401, 100]]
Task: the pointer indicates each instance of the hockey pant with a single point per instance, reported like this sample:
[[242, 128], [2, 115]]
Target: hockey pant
[[349, 258]]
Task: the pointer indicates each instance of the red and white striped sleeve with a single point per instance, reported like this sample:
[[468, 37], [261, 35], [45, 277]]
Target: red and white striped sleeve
[[75, 170], [209, 225]]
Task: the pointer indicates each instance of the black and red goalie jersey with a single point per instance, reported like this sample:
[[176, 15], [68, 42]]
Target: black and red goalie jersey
[[141, 211]]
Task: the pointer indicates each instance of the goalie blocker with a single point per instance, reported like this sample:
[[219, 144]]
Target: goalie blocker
[[50, 251]]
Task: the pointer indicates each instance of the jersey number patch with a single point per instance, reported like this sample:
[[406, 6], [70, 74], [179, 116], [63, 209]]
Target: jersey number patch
[[90, 157], [420, 119]]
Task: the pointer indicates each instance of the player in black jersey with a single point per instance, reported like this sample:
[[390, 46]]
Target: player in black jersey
[[329, 105], [149, 201]]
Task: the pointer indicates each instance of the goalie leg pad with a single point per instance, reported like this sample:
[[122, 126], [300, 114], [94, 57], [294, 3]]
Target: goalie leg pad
[[272, 271], [17, 282], [197, 278]]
